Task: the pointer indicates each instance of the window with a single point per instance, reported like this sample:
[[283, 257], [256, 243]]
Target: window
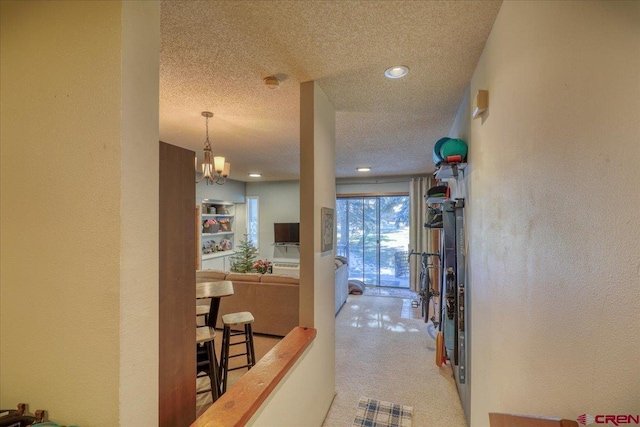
[[252, 220], [373, 234]]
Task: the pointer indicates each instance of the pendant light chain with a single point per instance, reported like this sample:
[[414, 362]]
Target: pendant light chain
[[207, 144]]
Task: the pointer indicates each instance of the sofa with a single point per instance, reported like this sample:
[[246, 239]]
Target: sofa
[[272, 299], [342, 282]]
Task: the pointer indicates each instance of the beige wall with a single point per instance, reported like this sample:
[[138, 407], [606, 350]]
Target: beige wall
[[66, 326], [553, 224], [139, 305], [304, 397]]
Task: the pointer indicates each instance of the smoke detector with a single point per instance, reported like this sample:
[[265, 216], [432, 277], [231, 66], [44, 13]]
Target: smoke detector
[[271, 82]]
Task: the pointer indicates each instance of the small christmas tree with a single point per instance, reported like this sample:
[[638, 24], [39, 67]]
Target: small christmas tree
[[243, 260]]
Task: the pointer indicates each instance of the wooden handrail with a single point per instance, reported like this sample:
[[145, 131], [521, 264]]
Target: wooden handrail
[[497, 419], [242, 401]]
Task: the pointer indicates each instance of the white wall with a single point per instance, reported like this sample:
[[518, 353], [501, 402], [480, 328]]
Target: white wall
[[277, 202], [553, 202], [231, 191], [68, 215]]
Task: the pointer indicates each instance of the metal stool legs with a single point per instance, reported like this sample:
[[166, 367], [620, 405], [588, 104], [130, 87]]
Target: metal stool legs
[[225, 356], [213, 371], [206, 361]]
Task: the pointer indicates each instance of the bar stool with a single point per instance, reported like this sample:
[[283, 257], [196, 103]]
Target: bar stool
[[236, 319], [203, 310], [206, 359]]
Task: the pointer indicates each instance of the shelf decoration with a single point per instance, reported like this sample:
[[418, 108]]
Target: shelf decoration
[[226, 244], [225, 224], [209, 247], [210, 226]]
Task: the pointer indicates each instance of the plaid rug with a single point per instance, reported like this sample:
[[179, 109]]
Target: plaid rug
[[376, 413]]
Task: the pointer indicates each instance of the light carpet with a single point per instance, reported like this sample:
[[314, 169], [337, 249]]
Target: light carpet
[[383, 351], [378, 413]]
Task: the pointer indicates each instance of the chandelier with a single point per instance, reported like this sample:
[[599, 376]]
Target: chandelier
[[214, 169]]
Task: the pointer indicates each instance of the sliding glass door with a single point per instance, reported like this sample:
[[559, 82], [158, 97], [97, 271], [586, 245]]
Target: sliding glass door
[[373, 234]]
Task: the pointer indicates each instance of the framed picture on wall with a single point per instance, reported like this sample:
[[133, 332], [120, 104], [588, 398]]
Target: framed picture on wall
[[326, 232]]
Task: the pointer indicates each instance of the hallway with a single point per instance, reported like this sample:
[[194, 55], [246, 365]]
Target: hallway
[[384, 352]]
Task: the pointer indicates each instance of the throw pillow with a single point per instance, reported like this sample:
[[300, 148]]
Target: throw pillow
[[356, 287]]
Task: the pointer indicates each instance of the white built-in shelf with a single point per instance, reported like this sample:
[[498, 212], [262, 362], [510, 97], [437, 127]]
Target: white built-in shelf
[[216, 202], [217, 254], [448, 170], [220, 233], [224, 214]]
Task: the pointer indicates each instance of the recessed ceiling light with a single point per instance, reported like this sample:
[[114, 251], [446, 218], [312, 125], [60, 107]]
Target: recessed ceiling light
[[255, 175], [364, 169], [396, 72]]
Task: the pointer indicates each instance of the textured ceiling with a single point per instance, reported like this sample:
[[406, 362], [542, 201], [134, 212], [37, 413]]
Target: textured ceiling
[[215, 54]]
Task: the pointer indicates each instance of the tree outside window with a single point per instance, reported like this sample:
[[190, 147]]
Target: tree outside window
[[252, 220]]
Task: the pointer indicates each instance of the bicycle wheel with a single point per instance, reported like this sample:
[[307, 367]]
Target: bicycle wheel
[[422, 294], [428, 295], [433, 295]]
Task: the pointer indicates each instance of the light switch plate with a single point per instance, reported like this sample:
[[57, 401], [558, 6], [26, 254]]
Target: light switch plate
[[480, 103]]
